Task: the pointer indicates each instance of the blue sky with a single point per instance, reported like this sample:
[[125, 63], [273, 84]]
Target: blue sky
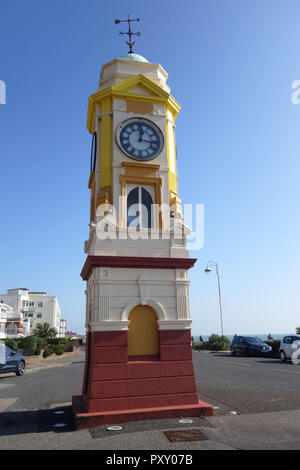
[[231, 65]]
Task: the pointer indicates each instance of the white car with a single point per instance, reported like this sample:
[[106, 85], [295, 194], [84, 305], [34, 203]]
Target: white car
[[286, 346]]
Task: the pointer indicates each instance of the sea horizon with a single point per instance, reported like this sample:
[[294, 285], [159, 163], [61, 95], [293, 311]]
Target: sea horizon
[[261, 336]]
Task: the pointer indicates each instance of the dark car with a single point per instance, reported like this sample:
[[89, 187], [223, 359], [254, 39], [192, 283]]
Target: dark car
[[10, 361], [250, 346]]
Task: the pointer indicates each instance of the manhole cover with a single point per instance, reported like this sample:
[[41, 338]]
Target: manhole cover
[[186, 435]]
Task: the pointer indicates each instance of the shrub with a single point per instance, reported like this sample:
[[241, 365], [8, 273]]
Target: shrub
[[29, 342], [298, 330], [215, 343], [68, 347], [275, 345], [41, 343], [49, 349], [12, 344], [28, 352], [58, 341], [58, 350], [197, 345], [74, 343]]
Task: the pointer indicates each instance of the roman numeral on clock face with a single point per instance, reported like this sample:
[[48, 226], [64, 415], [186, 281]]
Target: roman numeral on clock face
[[140, 140]]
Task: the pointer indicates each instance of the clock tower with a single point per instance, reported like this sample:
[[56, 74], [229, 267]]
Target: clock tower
[[138, 353]]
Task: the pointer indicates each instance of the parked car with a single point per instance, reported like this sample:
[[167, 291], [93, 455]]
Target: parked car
[[286, 346], [11, 361], [250, 346]]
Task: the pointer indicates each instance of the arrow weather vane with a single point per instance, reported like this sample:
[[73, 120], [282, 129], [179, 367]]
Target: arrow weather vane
[[129, 32]]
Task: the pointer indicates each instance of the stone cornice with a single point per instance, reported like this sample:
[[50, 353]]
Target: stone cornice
[[134, 262]]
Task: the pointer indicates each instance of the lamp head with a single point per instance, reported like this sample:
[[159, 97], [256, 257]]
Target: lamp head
[[207, 270]]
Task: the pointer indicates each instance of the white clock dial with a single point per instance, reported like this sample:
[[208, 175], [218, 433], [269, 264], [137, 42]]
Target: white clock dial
[[140, 139]]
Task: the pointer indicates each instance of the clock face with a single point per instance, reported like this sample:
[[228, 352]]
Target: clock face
[[140, 139]]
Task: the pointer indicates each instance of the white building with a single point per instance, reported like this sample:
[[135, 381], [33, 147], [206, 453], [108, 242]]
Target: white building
[[12, 324], [35, 306], [62, 328]]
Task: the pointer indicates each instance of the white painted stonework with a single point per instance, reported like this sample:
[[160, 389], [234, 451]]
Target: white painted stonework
[[112, 293], [119, 69]]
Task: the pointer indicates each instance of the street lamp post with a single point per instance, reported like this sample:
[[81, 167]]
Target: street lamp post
[[213, 264]]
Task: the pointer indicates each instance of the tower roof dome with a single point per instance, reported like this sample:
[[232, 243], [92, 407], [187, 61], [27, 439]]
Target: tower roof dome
[[133, 57]]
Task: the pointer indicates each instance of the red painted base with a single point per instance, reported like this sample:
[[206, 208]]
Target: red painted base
[[118, 388], [85, 420]]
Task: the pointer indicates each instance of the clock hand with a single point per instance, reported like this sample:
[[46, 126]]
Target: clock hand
[[141, 132]]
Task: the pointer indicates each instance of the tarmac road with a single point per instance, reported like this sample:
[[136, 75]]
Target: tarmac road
[[264, 393], [247, 384]]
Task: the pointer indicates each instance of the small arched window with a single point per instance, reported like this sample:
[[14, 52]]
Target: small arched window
[[12, 329], [139, 207]]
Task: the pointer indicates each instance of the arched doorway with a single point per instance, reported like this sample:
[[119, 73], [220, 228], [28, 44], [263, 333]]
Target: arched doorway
[[143, 337]]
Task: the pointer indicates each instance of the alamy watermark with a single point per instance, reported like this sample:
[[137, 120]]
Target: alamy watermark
[[2, 353], [151, 222], [2, 92], [296, 352]]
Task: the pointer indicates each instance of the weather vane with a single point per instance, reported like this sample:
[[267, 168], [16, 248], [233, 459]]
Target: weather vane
[[129, 32]]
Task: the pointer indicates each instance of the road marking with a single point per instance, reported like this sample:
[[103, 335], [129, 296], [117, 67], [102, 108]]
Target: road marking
[[60, 405], [287, 371], [36, 369], [235, 363], [6, 402], [3, 386]]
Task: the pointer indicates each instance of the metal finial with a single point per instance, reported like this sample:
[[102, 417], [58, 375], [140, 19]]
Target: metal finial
[[129, 32]]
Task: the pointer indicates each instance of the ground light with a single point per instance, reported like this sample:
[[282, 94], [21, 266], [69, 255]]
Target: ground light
[[114, 428]]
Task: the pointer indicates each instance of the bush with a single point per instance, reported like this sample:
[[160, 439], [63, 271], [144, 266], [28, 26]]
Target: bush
[[215, 343], [41, 343], [275, 345], [74, 343], [28, 352], [12, 344], [49, 349], [197, 345], [68, 347], [58, 350], [29, 342], [58, 341]]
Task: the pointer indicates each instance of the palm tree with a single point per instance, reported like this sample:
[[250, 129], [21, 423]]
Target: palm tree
[[44, 330]]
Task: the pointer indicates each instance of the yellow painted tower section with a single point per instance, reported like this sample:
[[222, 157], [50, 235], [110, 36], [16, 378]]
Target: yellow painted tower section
[[136, 103]]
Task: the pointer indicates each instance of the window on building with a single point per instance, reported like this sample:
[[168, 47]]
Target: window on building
[[39, 315], [30, 315], [12, 329], [31, 304], [139, 207], [40, 304]]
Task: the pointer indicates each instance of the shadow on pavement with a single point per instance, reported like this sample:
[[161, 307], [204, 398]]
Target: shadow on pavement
[[26, 422]]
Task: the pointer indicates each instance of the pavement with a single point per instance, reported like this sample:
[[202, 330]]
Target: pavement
[[257, 403]]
